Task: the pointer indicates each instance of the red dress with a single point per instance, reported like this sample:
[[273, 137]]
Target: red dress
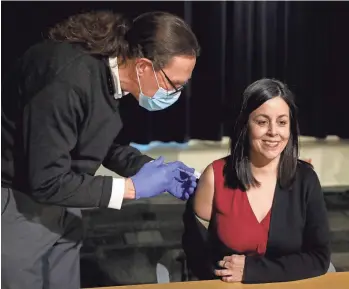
[[236, 225]]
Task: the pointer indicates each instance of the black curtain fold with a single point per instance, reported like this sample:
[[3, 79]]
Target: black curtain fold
[[208, 86], [302, 43], [257, 39]]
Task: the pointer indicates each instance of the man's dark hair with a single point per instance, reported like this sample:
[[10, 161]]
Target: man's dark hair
[[237, 171], [158, 36]]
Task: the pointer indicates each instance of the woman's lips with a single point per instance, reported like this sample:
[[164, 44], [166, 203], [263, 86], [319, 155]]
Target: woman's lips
[[271, 144]]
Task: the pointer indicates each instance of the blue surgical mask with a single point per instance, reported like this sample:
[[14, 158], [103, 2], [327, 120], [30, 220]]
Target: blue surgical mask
[[160, 100]]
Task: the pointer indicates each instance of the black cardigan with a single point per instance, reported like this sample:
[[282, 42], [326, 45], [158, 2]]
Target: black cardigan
[[299, 240]]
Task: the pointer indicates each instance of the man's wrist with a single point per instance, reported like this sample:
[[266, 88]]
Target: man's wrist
[[130, 191]]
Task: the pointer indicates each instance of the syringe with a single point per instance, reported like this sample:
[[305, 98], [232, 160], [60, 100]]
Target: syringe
[[195, 174]]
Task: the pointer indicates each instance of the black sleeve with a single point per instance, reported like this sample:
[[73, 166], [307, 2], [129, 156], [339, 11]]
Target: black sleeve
[[50, 130], [313, 261], [196, 245], [125, 160]]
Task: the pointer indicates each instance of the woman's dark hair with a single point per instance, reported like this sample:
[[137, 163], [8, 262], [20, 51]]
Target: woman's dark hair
[[158, 36], [237, 171]]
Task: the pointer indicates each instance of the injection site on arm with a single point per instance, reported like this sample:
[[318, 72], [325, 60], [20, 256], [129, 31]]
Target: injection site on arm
[[203, 198]]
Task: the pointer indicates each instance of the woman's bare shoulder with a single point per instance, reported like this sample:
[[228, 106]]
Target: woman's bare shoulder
[[203, 198]]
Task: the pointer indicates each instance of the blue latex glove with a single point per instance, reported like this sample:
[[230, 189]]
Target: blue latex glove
[[185, 183], [157, 177]]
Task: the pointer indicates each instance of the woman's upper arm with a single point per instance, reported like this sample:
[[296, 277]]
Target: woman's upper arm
[[203, 198]]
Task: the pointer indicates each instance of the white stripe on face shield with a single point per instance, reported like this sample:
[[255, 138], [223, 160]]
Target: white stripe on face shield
[[162, 98]]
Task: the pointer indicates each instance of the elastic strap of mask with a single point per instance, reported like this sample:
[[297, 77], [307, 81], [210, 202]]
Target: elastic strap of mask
[[167, 92], [156, 78], [139, 82]]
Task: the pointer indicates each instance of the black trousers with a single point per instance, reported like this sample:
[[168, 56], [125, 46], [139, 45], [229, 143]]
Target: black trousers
[[40, 244]]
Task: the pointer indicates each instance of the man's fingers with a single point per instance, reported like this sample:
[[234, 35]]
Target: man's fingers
[[180, 166], [183, 176], [158, 161], [193, 178], [186, 196], [192, 184]]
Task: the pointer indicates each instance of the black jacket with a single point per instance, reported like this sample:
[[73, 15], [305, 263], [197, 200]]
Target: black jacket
[[60, 122], [298, 244]]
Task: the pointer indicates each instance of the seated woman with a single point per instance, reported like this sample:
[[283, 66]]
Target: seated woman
[[263, 207]]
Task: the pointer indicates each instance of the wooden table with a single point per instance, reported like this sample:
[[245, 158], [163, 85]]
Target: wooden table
[[328, 281]]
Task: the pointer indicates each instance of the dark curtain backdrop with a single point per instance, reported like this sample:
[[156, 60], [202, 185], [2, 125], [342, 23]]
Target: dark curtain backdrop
[[302, 43]]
